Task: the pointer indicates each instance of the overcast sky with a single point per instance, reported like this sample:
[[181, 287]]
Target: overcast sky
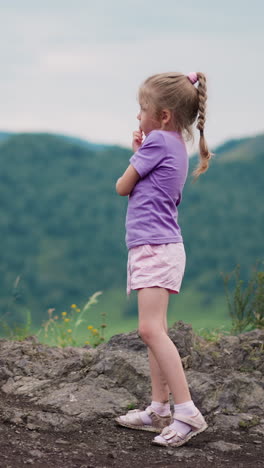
[[74, 67]]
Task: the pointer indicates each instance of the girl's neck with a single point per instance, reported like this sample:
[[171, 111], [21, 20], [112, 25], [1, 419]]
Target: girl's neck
[[168, 127]]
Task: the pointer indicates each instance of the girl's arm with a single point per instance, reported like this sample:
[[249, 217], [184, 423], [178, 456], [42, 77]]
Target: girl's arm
[[127, 182]]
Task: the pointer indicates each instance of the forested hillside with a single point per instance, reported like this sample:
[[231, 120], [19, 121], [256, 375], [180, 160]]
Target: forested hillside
[[4, 136], [222, 214], [62, 224]]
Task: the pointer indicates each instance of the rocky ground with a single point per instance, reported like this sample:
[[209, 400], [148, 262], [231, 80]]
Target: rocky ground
[[57, 406]]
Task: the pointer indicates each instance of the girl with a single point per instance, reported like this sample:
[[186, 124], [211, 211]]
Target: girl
[[154, 181]]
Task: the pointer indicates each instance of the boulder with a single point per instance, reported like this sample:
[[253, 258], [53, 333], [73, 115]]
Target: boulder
[[63, 387]]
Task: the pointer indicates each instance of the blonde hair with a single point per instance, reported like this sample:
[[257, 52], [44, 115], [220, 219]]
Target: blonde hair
[[175, 91]]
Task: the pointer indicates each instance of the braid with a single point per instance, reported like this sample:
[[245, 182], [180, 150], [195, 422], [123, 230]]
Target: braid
[[202, 97], [205, 155]]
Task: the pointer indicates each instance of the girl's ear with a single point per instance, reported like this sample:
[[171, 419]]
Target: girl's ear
[[165, 116]]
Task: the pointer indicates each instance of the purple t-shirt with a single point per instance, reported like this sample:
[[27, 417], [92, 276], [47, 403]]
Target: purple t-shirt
[[152, 215]]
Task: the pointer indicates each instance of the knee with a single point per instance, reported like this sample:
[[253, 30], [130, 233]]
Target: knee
[[148, 333]]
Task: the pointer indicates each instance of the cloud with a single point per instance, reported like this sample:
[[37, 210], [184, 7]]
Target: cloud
[[78, 70]]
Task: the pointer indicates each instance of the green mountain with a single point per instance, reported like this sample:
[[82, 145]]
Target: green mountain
[[4, 136], [62, 224], [225, 211]]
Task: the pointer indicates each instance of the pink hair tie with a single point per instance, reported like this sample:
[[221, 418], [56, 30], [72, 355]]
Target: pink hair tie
[[193, 77]]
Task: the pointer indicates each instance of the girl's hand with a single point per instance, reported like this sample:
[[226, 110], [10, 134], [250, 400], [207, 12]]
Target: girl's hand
[[137, 139]]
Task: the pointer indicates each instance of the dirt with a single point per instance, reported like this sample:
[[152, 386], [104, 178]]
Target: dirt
[[105, 444]]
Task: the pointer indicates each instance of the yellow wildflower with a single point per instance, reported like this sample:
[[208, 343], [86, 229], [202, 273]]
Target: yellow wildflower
[[69, 331], [64, 313], [87, 342], [95, 331], [73, 306], [66, 320], [78, 310], [90, 327]]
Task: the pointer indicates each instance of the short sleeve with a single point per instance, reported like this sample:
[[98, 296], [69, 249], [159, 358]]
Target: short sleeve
[[150, 154]]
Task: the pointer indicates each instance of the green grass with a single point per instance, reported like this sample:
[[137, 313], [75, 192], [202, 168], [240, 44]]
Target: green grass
[[189, 306], [192, 307]]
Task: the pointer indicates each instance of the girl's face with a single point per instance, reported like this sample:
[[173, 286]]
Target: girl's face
[[147, 120]]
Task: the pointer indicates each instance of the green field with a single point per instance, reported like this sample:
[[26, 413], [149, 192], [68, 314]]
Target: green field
[[188, 306], [120, 316], [121, 313]]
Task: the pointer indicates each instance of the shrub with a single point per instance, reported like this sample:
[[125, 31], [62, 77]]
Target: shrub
[[246, 301]]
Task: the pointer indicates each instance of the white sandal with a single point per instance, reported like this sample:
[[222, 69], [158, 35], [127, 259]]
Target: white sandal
[[172, 438], [134, 421]]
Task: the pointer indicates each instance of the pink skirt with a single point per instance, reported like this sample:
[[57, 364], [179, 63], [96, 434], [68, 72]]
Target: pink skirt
[[156, 265]]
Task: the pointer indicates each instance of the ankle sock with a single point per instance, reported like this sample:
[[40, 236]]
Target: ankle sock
[[188, 408], [163, 409]]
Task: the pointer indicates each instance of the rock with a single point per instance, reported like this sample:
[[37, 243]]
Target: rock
[[34, 435], [63, 388], [128, 369], [91, 400], [36, 453], [184, 338], [127, 341], [170, 452], [205, 389], [224, 446], [185, 453], [4, 372], [24, 385], [243, 392], [235, 421], [62, 441], [257, 429]]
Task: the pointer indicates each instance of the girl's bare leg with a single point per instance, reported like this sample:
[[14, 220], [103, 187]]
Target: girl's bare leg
[[152, 306], [160, 388]]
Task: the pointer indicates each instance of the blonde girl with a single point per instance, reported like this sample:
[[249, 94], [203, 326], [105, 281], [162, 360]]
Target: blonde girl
[[170, 103]]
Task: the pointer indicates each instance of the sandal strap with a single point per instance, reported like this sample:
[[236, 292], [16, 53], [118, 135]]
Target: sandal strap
[[169, 434], [196, 421]]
